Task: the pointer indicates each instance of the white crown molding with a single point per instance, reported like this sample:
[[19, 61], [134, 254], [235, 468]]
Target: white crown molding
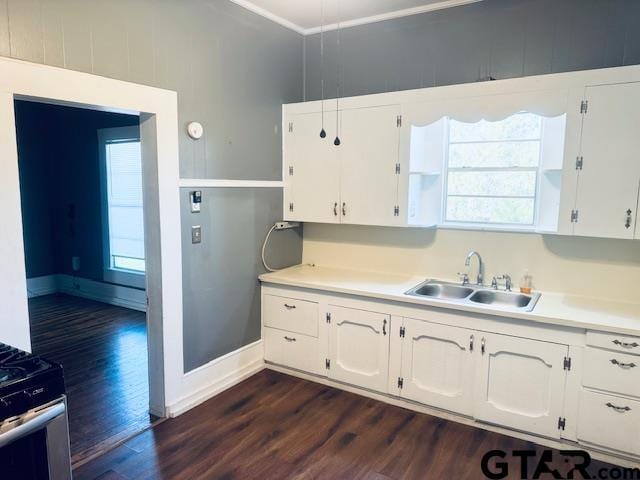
[[391, 15], [266, 14], [355, 22]]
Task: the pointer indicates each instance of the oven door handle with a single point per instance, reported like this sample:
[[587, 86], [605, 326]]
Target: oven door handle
[[33, 424]]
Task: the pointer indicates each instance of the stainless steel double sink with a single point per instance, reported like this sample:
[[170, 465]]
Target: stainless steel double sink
[[475, 295]]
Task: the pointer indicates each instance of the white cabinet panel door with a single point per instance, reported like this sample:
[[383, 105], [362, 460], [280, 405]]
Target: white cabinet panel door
[[311, 169], [368, 155], [608, 182], [521, 384], [438, 365], [359, 347]]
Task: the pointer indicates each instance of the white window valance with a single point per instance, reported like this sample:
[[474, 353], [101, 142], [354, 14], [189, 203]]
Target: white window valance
[[549, 103]]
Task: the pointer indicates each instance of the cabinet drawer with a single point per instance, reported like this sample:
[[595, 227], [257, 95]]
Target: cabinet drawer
[[619, 343], [292, 350], [612, 371], [610, 422], [300, 316]]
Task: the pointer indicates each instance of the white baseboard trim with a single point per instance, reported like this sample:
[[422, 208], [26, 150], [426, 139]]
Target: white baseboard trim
[[118, 295], [217, 376], [40, 286]]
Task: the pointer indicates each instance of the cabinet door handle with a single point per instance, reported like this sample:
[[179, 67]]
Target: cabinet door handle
[[482, 345], [616, 408], [384, 326], [289, 339], [623, 365], [629, 220], [289, 307], [335, 209], [626, 345], [471, 343], [344, 209]]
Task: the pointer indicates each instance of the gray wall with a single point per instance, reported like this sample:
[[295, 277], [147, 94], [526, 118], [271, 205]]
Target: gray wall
[[498, 38], [221, 290], [59, 162], [232, 70]]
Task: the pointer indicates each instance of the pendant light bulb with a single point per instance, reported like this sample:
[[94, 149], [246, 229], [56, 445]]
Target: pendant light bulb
[[336, 142], [323, 134]]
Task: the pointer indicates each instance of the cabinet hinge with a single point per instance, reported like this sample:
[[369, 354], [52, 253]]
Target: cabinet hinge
[[402, 332], [562, 423], [567, 363], [579, 163], [290, 127], [584, 106], [328, 317], [397, 169], [400, 382], [146, 300], [396, 211], [327, 364], [574, 216], [291, 207], [291, 170], [399, 121]]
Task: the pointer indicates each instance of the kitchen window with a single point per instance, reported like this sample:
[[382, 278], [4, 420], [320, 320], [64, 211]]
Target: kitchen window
[[492, 171], [123, 231]]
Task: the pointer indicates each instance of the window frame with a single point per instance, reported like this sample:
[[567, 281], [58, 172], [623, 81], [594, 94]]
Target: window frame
[[495, 226], [117, 276]]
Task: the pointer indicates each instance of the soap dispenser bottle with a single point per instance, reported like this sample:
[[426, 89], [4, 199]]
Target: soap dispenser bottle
[[526, 283]]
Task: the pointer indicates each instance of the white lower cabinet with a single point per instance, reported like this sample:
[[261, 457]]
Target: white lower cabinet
[[520, 384], [609, 421], [359, 347], [530, 385], [438, 365]]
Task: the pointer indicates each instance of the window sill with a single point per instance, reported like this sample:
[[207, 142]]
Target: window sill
[[488, 228], [126, 278]]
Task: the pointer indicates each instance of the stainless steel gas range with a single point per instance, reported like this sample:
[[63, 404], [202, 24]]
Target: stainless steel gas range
[[34, 432]]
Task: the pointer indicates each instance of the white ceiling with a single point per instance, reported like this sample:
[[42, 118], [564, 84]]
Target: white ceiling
[[305, 16]]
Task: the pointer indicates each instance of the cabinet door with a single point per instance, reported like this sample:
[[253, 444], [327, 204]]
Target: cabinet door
[[311, 169], [368, 156], [521, 384], [359, 347], [438, 365], [608, 183]]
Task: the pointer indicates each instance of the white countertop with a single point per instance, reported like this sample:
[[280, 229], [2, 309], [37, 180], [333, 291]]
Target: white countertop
[[552, 308]]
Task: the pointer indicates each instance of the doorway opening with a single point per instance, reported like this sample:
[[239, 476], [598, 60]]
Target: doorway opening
[[81, 186]]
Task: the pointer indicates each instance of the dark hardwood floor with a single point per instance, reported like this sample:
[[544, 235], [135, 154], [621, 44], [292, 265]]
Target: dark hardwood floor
[[274, 426], [103, 350]]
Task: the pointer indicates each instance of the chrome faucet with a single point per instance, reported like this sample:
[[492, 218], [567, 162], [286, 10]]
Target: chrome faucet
[[467, 262]]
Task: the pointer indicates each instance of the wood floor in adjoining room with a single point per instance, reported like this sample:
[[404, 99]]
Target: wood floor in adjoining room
[[274, 426], [103, 351]]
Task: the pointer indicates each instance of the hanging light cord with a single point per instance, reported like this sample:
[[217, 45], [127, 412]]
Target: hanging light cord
[[264, 247], [338, 63]]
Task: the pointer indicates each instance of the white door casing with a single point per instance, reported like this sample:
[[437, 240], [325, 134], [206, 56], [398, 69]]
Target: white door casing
[[438, 365], [359, 347], [520, 383]]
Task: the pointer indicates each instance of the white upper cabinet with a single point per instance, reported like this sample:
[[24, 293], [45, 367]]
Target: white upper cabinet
[[609, 178], [368, 159], [520, 383], [438, 365], [510, 155], [359, 347], [311, 169]]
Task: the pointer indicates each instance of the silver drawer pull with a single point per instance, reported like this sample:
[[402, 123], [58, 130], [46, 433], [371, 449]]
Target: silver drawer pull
[[616, 408], [622, 365], [289, 307], [289, 339], [626, 345]]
